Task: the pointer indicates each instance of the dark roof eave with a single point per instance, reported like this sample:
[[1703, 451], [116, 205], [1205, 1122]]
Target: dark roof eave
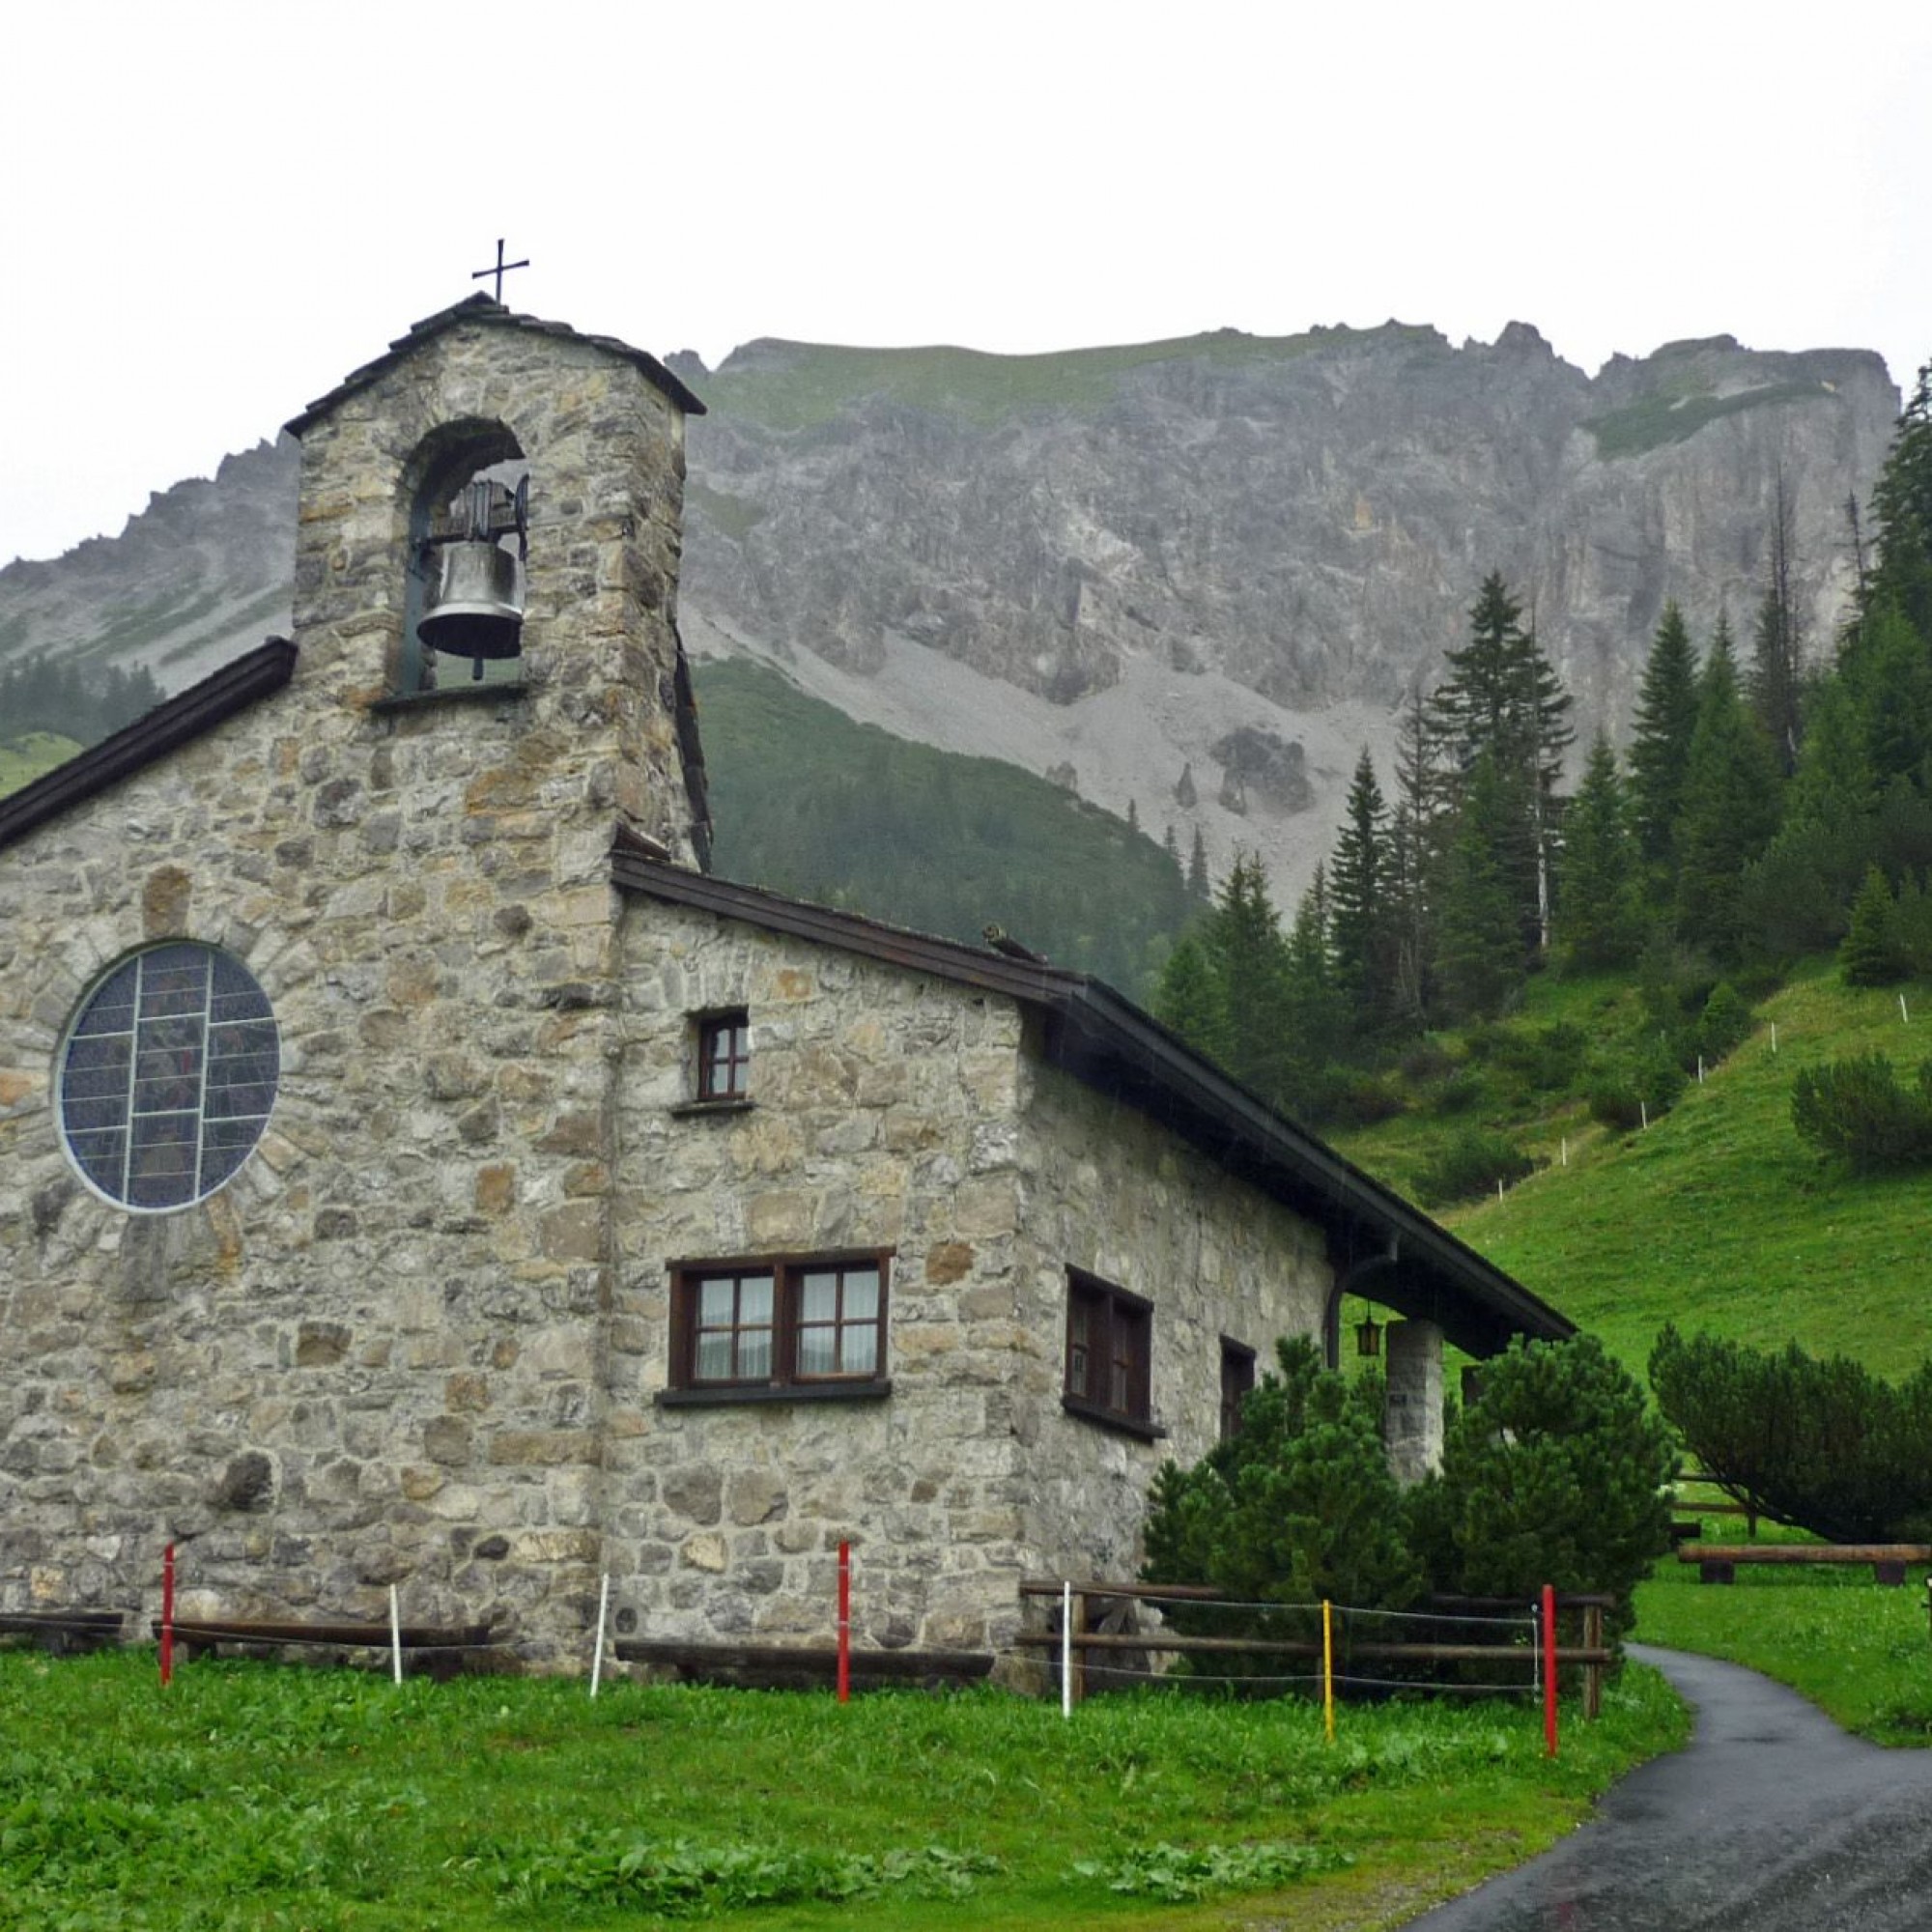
[[480, 308], [1098, 1023], [1312, 1169], [240, 683]]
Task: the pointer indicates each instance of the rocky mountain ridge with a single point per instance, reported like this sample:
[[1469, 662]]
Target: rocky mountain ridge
[[1230, 556]]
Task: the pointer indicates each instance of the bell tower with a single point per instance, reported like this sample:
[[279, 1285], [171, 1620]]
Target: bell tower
[[486, 582]]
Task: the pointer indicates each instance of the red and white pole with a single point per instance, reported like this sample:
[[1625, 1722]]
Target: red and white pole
[[1550, 1670], [844, 1623], [167, 1617]]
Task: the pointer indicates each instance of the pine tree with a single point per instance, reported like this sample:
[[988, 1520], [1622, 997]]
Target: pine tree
[[1418, 845], [1869, 955], [1901, 505], [1776, 658], [1479, 948], [1247, 957], [1667, 718], [1187, 1000], [1502, 699], [1731, 805], [1360, 928], [1598, 918], [1317, 1010], [1199, 887]]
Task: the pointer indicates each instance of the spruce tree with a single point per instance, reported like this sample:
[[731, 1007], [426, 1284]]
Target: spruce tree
[[1503, 700], [1667, 718], [1188, 999], [1247, 957], [1479, 947], [1775, 666], [1199, 887], [1869, 955], [1599, 922], [1419, 832], [1731, 805], [1901, 503], [1360, 928]]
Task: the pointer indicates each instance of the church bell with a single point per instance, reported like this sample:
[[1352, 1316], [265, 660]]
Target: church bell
[[478, 609]]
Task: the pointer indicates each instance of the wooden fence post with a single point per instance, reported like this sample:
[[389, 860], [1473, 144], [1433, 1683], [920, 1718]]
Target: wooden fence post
[[1076, 1619], [1593, 1673]]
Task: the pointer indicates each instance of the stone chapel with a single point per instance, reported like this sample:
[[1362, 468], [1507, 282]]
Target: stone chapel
[[417, 1169]]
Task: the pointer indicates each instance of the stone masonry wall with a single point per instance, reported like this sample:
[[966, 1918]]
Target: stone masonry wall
[[375, 1357], [877, 1103], [1107, 1190], [893, 1111]]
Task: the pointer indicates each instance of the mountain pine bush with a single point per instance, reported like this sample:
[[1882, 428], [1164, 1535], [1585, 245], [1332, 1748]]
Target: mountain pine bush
[[1824, 1446], [1856, 1110]]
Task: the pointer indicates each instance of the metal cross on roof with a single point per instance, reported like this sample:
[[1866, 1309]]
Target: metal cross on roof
[[501, 268]]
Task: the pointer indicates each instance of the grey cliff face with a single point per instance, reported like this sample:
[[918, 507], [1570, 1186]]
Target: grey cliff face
[[1310, 524], [1235, 551]]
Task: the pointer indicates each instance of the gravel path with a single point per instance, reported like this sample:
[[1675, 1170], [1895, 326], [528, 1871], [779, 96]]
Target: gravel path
[[1771, 1820]]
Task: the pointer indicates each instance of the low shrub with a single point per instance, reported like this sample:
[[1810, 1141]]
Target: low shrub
[[1361, 1099], [1726, 1024], [1556, 1473], [1540, 1059], [1461, 1091], [1856, 1110], [1818, 1445], [1472, 1164], [1643, 1084], [1425, 1060]]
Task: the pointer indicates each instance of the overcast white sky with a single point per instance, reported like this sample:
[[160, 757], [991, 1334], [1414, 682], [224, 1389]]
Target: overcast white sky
[[214, 211]]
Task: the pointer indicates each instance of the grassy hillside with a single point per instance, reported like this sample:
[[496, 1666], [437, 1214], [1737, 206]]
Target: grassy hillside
[[23, 759], [808, 803], [799, 385], [1717, 1217]]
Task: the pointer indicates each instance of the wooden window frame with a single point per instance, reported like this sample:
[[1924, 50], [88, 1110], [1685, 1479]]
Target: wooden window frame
[[732, 1024], [786, 1382], [1237, 1383], [1109, 1348]]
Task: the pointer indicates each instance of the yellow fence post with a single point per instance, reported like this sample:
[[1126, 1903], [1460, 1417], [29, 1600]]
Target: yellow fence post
[[1328, 1668]]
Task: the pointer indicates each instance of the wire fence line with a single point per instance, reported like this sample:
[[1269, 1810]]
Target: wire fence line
[[1099, 1640]]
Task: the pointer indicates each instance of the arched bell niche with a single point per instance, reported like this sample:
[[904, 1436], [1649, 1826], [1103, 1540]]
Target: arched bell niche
[[469, 542]]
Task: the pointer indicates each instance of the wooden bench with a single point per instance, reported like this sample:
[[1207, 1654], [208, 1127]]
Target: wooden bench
[[64, 1633], [443, 1650], [1717, 1562]]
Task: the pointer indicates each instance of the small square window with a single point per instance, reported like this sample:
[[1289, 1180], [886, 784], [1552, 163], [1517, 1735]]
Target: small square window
[[724, 1056], [1109, 1354], [1238, 1381]]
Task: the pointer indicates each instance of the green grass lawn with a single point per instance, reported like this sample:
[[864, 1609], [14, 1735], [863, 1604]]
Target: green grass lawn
[[1861, 1652], [24, 759], [1717, 1217], [256, 1795]]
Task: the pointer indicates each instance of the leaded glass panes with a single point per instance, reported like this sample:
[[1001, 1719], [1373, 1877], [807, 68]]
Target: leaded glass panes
[[169, 1076]]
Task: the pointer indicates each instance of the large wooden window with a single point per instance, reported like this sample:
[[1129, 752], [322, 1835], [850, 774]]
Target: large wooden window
[[795, 1324], [1109, 1354]]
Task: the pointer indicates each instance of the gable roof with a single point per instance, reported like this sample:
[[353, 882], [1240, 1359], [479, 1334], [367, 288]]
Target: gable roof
[[480, 308], [1381, 1244], [240, 683]]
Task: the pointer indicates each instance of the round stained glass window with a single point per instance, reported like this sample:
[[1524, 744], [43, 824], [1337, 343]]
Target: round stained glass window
[[168, 1076]]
